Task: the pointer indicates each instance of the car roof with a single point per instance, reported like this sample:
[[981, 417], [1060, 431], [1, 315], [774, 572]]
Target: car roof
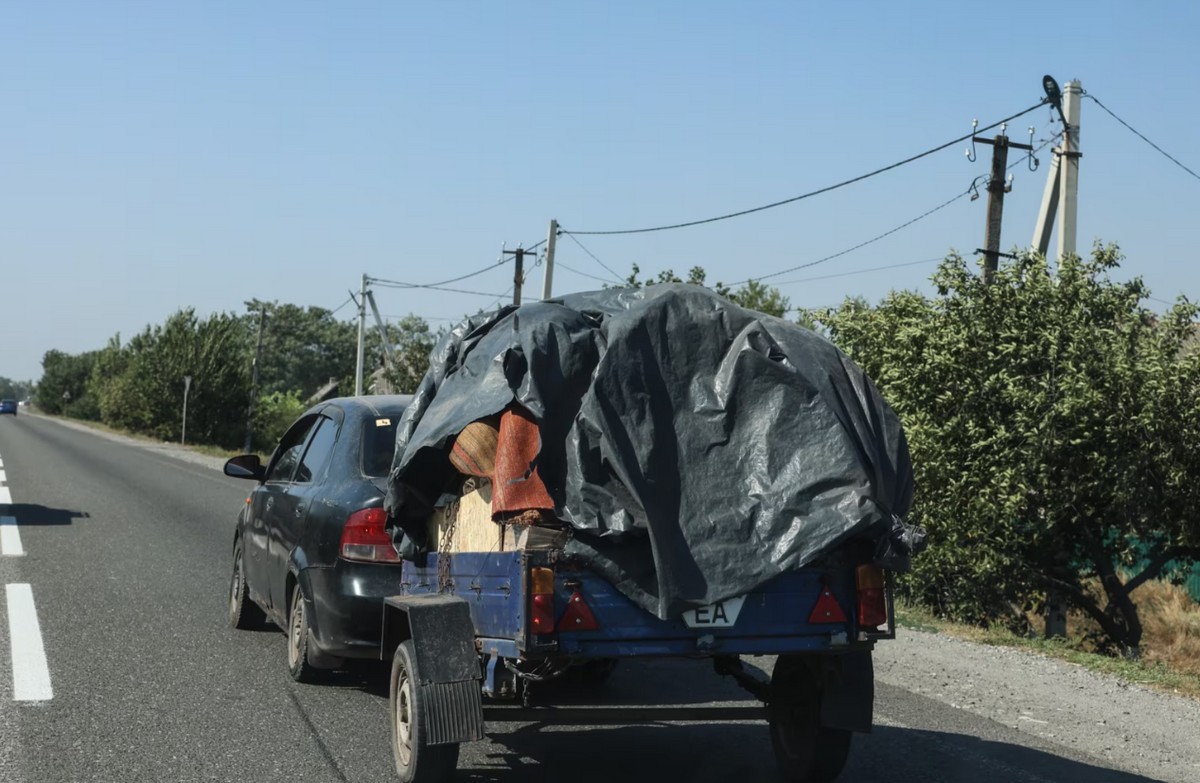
[[368, 404]]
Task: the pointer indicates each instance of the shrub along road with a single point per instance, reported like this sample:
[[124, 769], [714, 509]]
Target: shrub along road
[[126, 551]]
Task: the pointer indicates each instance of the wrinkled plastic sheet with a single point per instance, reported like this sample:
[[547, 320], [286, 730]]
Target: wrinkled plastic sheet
[[696, 448]]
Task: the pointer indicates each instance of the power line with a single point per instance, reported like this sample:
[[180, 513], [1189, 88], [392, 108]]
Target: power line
[[826, 189], [1163, 152], [593, 255], [343, 304], [499, 263], [860, 245], [584, 274], [392, 284], [858, 271]]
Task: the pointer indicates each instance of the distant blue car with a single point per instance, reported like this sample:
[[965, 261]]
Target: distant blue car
[[8, 406]]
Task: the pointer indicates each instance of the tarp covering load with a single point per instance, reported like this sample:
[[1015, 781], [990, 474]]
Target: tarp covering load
[[694, 449]]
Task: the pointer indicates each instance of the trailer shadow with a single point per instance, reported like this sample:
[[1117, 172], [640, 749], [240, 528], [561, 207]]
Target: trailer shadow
[[742, 752], [28, 514]]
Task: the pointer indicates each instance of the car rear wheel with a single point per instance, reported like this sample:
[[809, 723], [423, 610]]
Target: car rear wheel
[[244, 614], [300, 664]]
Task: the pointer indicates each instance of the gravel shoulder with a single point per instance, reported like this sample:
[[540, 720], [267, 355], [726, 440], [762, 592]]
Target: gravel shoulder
[[1127, 726]]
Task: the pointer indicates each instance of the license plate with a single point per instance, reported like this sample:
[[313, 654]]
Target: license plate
[[722, 614]]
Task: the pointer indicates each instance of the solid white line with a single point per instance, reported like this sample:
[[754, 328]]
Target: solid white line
[[10, 537], [5, 496], [30, 673]]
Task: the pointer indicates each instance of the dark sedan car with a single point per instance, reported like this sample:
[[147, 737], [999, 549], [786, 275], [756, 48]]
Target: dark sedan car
[[310, 551]]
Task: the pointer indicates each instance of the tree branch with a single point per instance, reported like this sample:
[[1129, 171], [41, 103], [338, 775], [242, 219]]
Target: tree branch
[[1155, 566]]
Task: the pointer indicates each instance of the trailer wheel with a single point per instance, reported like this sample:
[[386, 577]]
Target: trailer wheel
[[805, 751], [416, 761]]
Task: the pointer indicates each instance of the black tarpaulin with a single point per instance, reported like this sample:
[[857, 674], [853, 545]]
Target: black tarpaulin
[[696, 448]]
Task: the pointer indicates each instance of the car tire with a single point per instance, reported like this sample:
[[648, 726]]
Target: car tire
[[416, 761], [299, 660], [244, 614]]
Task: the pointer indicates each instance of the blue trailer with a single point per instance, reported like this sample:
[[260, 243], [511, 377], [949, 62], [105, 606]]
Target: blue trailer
[[478, 636]]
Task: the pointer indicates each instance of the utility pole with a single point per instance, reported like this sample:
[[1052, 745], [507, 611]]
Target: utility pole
[[187, 385], [262, 325], [548, 276], [362, 333], [997, 187], [518, 272], [1061, 196], [383, 335]]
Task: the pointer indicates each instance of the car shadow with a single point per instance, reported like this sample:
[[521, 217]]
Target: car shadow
[[722, 752], [33, 514]]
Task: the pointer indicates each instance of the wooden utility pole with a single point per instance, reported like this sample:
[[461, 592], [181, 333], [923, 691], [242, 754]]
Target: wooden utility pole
[[518, 272], [997, 187], [362, 337]]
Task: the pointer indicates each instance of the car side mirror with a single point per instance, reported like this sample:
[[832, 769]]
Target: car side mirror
[[246, 466]]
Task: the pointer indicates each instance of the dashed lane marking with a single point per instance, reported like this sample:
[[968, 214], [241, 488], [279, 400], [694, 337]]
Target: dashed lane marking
[[5, 496], [30, 672], [10, 537]]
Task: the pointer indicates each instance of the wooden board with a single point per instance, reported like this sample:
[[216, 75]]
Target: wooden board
[[469, 521]]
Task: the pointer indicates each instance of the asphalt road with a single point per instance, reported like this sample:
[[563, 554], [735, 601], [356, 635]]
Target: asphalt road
[[126, 555]]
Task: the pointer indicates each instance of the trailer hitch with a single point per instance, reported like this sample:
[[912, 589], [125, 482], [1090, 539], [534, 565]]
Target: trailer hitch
[[754, 681]]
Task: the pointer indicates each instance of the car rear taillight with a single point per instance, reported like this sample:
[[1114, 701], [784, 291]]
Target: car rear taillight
[[872, 602], [364, 537], [541, 600]]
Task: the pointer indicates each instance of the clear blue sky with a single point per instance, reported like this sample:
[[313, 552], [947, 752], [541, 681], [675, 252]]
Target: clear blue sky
[[161, 155]]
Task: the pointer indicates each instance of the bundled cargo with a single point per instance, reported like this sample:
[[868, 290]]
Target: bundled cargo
[[689, 449]]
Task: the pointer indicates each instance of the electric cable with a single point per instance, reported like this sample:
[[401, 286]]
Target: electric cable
[[593, 255], [826, 189], [1163, 152]]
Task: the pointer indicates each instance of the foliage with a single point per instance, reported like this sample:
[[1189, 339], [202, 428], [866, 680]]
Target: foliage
[[754, 295], [1053, 423], [273, 414], [141, 385], [64, 383], [412, 342], [15, 390], [303, 347]]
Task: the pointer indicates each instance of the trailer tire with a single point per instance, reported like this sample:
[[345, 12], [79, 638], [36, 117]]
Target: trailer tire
[[416, 761], [805, 751]]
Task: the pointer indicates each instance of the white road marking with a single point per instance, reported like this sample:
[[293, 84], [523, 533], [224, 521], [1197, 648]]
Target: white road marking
[[2, 478], [30, 672], [10, 537], [5, 496]]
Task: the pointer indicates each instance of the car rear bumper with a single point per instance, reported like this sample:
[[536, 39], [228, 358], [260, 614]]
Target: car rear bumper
[[347, 603]]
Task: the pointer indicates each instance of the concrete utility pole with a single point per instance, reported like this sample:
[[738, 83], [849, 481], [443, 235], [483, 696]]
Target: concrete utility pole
[[548, 276], [262, 326], [187, 385], [997, 187], [1061, 196], [518, 272], [383, 335], [362, 333]]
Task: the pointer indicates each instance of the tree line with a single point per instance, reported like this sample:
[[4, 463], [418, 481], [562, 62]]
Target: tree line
[[1053, 419]]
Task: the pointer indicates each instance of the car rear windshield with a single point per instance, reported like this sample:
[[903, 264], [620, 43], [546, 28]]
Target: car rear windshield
[[379, 444]]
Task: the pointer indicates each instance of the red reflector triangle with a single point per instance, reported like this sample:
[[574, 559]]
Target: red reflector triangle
[[578, 616], [827, 610]]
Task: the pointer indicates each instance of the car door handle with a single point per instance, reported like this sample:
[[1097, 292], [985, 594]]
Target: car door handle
[[299, 511], [270, 503]]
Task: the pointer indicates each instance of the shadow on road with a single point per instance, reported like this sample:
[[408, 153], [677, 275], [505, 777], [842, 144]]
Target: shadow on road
[[33, 514], [742, 752]]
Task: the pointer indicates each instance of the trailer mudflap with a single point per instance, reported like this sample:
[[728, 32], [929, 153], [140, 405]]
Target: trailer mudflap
[[448, 673], [848, 692]]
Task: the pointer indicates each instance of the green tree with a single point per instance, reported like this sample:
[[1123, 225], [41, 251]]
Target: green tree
[[15, 390], [1054, 426], [303, 347], [412, 341], [63, 388], [754, 295]]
